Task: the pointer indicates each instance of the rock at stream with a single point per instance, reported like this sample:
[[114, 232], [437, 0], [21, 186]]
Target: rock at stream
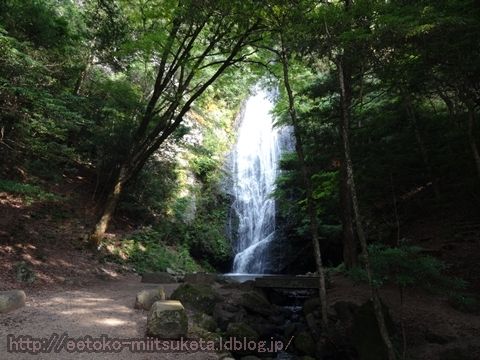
[[255, 302], [241, 330], [146, 298], [225, 313], [167, 320], [198, 297], [11, 300]]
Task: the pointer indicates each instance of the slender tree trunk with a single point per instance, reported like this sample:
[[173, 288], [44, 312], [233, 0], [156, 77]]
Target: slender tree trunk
[[312, 212], [471, 136], [345, 122], [449, 104], [395, 209], [83, 75], [108, 208], [402, 323], [349, 243], [421, 145]]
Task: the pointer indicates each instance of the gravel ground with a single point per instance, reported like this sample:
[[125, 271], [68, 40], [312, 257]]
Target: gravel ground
[[103, 308]]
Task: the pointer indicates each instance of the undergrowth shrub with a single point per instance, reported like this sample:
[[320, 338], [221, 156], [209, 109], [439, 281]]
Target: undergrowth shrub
[[145, 251], [29, 192], [406, 266]]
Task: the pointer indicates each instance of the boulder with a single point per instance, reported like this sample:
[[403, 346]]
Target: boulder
[[278, 319], [145, 298], [313, 324], [158, 278], [263, 327], [225, 357], [197, 332], [345, 310], [311, 305], [167, 320], [206, 322], [200, 278], [11, 300], [225, 313], [241, 330], [198, 297], [305, 343], [254, 302], [279, 297]]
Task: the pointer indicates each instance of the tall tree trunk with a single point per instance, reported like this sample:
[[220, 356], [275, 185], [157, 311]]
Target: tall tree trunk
[[349, 242], [344, 84], [421, 145], [471, 136], [311, 208], [108, 208], [83, 74]]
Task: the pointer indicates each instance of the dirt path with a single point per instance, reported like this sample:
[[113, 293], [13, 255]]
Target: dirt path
[[103, 308]]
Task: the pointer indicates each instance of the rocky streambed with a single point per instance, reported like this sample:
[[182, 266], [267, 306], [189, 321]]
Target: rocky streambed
[[286, 321]]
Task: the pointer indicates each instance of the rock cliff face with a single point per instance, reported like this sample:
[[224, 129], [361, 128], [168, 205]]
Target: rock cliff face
[[195, 208]]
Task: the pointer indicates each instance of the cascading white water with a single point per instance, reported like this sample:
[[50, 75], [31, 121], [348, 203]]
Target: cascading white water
[[255, 167]]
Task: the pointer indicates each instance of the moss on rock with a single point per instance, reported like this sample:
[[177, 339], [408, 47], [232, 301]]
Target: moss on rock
[[241, 330], [256, 303], [167, 320], [198, 297], [205, 321]]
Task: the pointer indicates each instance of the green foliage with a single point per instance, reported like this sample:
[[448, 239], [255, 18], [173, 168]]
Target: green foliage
[[204, 165], [406, 266], [206, 237], [145, 251], [465, 303], [151, 195], [29, 192]]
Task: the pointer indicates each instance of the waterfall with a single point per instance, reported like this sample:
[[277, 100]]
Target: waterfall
[[254, 169]]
